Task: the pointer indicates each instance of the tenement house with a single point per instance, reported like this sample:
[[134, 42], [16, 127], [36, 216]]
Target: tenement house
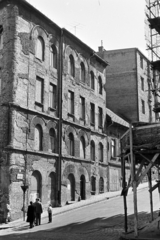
[[56, 134]]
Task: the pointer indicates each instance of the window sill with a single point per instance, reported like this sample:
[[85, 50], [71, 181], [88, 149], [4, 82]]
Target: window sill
[[39, 106], [39, 60], [113, 158], [92, 124], [71, 116], [52, 109]]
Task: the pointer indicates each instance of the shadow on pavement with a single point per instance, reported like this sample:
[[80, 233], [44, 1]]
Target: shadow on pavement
[[111, 226]]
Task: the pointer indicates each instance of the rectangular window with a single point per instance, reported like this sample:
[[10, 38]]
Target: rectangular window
[[71, 102], [100, 117], [143, 106], [141, 62], [113, 148], [39, 90], [1, 37], [82, 108], [52, 96], [92, 113], [142, 83]]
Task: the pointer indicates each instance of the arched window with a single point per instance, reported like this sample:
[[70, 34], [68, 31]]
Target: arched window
[[40, 48], [100, 152], [92, 151], [71, 144], [71, 66], [93, 185], [52, 140], [92, 80], [101, 185], [100, 85], [82, 73], [82, 147], [53, 56], [38, 137]]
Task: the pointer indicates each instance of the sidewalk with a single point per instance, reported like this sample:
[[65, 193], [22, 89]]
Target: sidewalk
[[82, 203]]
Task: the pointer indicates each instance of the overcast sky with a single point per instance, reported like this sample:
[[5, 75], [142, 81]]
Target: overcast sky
[[118, 23]]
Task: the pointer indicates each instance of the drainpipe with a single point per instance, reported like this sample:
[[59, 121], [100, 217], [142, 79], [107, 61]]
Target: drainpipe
[[60, 118]]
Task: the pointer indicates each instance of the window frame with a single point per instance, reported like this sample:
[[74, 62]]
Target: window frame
[[82, 108], [71, 144], [113, 148], [71, 66], [40, 45], [70, 102], [53, 56], [52, 96], [100, 152], [39, 93], [92, 113], [38, 147], [100, 117]]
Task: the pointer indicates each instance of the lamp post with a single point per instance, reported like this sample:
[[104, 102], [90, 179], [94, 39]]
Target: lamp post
[[24, 188]]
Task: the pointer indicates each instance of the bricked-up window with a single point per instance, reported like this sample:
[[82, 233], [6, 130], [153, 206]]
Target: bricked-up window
[[100, 87], [100, 117], [39, 90], [82, 108], [141, 61], [82, 147], [143, 106], [1, 37], [40, 48], [71, 66], [142, 83], [38, 137], [71, 102], [101, 185], [93, 185], [71, 144], [92, 150], [113, 148], [92, 80], [53, 56], [52, 140], [52, 96], [100, 152], [82, 72], [92, 113]]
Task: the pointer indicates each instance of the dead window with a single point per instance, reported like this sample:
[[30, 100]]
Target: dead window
[[113, 148], [92, 80], [1, 37], [82, 147], [92, 113], [52, 139], [100, 85], [40, 48], [82, 108], [100, 152], [38, 137], [71, 102], [92, 151], [82, 77], [53, 56], [143, 106], [71, 66], [71, 144], [39, 90], [52, 96], [100, 117]]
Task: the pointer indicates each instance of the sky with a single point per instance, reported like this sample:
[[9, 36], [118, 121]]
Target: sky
[[114, 23]]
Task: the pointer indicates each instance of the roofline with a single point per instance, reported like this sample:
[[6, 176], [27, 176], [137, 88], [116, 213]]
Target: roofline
[[27, 4], [134, 48], [94, 53]]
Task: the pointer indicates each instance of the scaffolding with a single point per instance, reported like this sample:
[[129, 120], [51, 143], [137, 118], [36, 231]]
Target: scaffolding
[[152, 35]]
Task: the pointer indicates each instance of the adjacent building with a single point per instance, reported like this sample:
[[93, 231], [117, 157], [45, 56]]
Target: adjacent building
[[57, 138], [129, 84]]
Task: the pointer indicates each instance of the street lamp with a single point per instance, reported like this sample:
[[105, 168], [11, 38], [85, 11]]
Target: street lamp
[[24, 188]]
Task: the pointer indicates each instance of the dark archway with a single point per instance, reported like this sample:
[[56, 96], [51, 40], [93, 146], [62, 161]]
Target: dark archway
[[83, 187], [71, 187], [52, 188], [36, 186]]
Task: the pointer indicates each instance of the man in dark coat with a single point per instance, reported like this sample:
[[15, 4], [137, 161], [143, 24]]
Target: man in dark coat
[[39, 210], [31, 214]]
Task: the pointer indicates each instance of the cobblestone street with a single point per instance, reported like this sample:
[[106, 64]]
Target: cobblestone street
[[102, 220]]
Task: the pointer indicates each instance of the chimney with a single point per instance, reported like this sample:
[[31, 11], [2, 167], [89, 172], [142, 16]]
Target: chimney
[[100, 49]]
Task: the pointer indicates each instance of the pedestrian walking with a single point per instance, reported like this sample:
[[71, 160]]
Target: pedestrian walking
[[7, 213], [31, 214], [49, 213], [39, 210]]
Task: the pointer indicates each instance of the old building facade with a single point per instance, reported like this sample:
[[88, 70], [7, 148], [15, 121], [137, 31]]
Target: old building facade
[[56, 135], [129, 80]]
